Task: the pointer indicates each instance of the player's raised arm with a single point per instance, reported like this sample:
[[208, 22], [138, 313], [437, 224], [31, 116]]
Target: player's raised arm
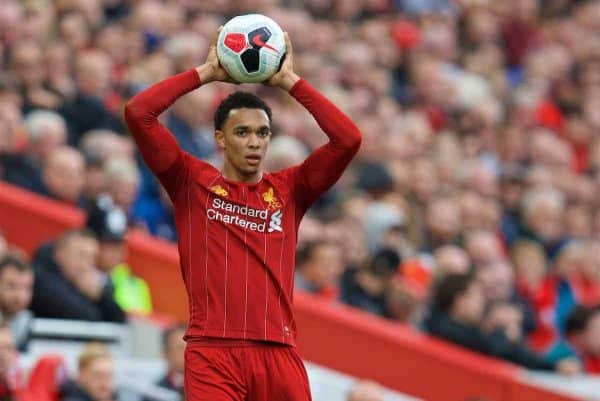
[[157, 145], [326, 164]]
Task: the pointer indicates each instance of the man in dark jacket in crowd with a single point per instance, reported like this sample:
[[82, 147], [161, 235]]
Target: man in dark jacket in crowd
[[456, 315], [69, 286]]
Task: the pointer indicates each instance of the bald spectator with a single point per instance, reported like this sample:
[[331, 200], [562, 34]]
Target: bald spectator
[[63, 175], [47, 131], [366, 391], [72, 287], [451, 259]]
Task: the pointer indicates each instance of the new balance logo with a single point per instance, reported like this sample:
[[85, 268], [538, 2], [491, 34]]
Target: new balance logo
[[275, 223]]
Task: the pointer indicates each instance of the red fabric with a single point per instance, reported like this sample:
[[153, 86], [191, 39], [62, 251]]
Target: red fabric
[[438, 119], [543, 300], [547, 114], [591, 365], [267, 372], [586, 292], [46, 377], [406, 35], [519, 38], [581, 156], [237, 242]]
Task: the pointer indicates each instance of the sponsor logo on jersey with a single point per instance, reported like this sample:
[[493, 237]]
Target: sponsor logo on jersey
[[219, 190], [244, 216]]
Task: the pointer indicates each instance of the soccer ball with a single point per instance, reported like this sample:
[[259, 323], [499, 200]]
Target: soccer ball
[[250, 48]]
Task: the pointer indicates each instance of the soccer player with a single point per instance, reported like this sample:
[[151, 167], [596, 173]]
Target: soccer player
[[237, 231]]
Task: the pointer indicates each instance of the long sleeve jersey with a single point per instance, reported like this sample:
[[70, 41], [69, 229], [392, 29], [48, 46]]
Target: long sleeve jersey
[[237, 241]]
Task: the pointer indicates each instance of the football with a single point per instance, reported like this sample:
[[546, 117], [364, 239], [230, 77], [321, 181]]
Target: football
[[251, 47]]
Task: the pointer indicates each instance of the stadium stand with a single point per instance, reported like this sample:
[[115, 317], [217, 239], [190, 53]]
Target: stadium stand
[[390, 353]]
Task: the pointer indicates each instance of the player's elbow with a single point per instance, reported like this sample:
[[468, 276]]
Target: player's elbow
[[133, 112], [354, 140]]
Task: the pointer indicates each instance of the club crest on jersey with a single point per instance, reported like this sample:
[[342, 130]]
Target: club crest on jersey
[[271, 199], [219, 190]]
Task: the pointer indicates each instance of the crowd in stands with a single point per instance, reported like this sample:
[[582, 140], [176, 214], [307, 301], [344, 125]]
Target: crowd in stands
[[471, 211]]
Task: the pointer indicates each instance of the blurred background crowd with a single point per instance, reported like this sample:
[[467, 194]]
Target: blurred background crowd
[[470, 211]]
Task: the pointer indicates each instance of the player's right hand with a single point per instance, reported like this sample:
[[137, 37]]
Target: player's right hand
[[212, 70]]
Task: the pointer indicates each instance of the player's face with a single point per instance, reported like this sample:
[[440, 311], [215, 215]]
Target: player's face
[[244, 139]]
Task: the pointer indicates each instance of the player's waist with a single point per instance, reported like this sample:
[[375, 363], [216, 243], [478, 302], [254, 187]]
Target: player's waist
[[204, 341]]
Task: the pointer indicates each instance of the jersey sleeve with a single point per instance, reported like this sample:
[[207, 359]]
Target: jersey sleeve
[[325, 165], [156, 143]]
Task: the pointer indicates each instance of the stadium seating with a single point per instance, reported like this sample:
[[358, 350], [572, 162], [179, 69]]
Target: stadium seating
[[331, 335]]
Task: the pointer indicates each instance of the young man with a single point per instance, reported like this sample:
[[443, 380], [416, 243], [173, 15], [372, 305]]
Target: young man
[[237, 231]]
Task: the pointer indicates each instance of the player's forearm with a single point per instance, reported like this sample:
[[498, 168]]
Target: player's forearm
[[150, 103], [157, 146], [342, 132]]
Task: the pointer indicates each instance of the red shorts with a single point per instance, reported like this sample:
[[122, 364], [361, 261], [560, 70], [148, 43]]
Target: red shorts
[[244, 371]]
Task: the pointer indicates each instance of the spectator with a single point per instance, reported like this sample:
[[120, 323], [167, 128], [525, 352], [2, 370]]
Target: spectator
[[16, 287], [582, 339], [366, 287], [95, 376], [87, 110], [483, 248], [108, 221], [586, 279], [72, 287], [366, 391], [456, 311], [123, 181], [319, 267], [173, 353], [191, 125], [156, 215], [63, 175], [543, 211], [11, 381], [47, 131], [451, 259], [3, 245], [443, 223]]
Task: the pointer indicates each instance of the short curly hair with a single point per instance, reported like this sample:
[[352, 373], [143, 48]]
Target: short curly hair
[[239, 100]]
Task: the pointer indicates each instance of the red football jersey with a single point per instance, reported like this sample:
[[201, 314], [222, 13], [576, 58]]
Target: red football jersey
[[237, 241]]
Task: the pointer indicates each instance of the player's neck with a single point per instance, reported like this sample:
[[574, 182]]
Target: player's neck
[[231, 174]]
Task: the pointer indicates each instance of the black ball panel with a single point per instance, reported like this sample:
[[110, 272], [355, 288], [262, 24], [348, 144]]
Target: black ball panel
[[251, 59]]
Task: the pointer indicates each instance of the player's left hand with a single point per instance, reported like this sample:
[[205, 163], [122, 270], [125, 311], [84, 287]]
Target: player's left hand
[[285, 78], [212, 70]]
